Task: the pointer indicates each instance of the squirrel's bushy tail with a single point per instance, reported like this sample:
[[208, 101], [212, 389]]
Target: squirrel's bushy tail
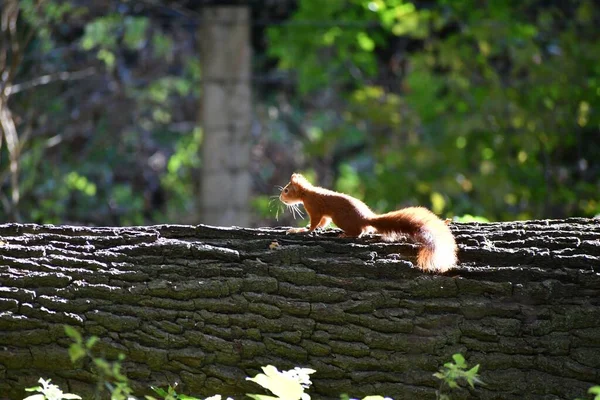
[[438, 251]]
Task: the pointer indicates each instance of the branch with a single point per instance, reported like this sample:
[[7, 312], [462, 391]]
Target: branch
[[50, 78]]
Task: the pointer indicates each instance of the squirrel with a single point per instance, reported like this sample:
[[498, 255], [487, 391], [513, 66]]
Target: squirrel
[[438, 251]]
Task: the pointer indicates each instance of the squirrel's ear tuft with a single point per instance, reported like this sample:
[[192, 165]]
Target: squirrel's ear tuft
[[295, 178]]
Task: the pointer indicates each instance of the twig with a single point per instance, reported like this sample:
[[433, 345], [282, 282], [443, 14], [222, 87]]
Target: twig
[[50, 78]]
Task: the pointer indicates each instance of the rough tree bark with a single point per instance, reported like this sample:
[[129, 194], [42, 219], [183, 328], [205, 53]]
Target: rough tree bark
[[208, 306]]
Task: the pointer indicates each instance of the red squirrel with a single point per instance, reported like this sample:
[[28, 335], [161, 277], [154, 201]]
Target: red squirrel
[[438, 251]]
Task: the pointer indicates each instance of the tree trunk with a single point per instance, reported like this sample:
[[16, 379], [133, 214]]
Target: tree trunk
[[208, 306], [226, 114]]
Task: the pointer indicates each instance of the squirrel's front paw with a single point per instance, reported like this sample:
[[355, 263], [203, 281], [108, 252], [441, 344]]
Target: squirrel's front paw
[[296, 230]]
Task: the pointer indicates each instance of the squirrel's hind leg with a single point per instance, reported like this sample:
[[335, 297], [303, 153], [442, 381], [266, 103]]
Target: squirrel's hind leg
[[351, 233]]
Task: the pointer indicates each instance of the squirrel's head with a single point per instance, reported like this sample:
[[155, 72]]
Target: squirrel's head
[[292, 192]]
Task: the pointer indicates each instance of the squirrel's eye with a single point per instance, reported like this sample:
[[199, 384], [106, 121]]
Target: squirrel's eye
[[285, 190]]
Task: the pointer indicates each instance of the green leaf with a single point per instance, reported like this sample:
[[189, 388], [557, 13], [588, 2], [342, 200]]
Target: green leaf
[[91, 342], [473, 371], [102, 364], [159, 391], [76, 352], [471, 376], [108, 57], [73, 334], [101, 32], [438, 202], [162, 44], [135, 32], [365, 42], [459, 360]]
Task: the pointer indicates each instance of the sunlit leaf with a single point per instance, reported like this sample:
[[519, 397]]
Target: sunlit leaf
[[73, 334], [365, 42], [35, 397], [280, 384], [185, 397], [76, 352], [108, 57], [135, 32], [262, 397], [459, 360], [438, 203], [91, 342], [101, 31], [70, 396]]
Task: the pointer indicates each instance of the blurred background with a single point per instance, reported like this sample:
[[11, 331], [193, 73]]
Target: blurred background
[[116, 112]]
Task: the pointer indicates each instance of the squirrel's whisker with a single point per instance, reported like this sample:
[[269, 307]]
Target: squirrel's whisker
[[291, 209]]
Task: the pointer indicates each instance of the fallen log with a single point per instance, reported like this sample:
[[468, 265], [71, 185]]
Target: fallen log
[[207, 306]]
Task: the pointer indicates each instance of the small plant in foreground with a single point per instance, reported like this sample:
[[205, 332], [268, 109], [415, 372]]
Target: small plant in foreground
[[451, 373], [171, 394], [595, 390], [285, 385], [109, 374], [48, 391]]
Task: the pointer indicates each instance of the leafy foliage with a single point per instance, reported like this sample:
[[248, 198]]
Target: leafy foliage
[[95, 130], [472, 110], [485, 110], [453, 372], [109, 375]]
